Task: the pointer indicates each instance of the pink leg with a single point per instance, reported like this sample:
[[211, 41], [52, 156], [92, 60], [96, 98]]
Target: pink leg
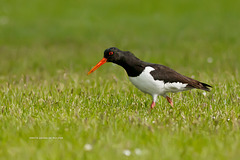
[[169, 100], [152, 105]]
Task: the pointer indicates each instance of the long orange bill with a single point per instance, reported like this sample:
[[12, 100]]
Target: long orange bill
[[104, 60]]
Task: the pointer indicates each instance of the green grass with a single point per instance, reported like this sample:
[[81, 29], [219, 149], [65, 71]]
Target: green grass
[[47, 48]]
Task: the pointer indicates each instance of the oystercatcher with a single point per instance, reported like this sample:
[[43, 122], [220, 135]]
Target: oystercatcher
[[154, 79]]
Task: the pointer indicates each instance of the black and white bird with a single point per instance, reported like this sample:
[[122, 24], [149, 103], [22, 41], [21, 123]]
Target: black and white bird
[[154, 79]]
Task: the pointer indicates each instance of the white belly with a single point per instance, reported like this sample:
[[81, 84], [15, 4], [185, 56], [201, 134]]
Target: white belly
[[146, 83]]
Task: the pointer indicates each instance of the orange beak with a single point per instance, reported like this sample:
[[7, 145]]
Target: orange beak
[[104, 60]]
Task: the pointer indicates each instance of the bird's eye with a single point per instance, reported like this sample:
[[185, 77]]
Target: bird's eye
[[110, 53]]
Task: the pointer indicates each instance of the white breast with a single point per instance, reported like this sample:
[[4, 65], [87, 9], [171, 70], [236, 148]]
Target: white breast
[[146, 83]]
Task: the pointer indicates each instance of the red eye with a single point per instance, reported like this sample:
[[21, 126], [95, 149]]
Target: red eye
[[110, 53]]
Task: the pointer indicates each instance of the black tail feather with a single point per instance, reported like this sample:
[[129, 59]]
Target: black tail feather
[[205, 87]]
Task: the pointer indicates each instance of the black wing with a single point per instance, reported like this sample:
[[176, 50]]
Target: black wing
[[167, 74]]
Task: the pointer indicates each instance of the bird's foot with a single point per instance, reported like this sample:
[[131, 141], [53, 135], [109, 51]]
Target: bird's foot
[[153, 104], [169, 100]]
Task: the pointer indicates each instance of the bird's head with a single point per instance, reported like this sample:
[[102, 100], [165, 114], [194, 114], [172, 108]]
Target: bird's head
[[112, 54]]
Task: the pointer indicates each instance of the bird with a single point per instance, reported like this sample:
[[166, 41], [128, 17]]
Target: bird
[[150, 78]]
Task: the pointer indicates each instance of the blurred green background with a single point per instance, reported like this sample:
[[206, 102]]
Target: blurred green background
[[73, 34]]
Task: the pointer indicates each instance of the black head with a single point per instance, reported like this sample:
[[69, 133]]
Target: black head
[[123, 58], [112, 54]]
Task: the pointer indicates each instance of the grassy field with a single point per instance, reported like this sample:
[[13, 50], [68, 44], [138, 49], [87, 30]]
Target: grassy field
[[51, 109]]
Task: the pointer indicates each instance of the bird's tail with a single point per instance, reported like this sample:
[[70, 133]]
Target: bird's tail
[[204, 86]]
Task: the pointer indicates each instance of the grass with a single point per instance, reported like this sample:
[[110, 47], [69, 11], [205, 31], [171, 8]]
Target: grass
[[47, 48]]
